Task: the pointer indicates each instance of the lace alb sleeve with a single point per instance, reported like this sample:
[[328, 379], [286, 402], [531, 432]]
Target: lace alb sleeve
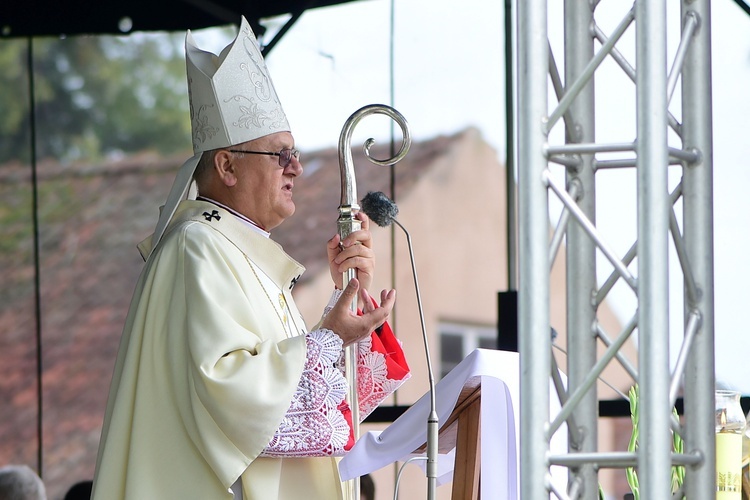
[[381, 364], [316, 423], [379, 373]]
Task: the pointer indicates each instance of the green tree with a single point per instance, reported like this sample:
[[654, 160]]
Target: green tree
[[94, 96], [13, 99]]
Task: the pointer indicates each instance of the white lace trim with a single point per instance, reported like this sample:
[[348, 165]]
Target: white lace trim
[[335, 296], [314, 426], [373, 384]]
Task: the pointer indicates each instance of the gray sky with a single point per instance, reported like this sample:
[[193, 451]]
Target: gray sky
[[449, 74]]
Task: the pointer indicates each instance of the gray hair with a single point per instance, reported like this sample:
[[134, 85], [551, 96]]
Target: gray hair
[[204, 166], [20, 482]]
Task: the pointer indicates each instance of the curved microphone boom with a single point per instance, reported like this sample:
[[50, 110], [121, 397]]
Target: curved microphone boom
[[383, 211]]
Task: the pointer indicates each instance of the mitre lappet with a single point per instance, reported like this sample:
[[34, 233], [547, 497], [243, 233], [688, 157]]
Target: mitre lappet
[[232, 100]]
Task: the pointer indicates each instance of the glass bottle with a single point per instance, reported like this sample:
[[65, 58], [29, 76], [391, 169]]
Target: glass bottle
[[730, 424]]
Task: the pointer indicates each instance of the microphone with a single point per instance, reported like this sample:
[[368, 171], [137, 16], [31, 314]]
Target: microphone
[[383, 211], [379, 208]]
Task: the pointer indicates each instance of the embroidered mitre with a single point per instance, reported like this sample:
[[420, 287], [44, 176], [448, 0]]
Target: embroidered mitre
[[232, 97], [232, 100]]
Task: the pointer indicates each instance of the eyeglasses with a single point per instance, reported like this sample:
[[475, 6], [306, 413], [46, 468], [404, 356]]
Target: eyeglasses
[[285, 155]]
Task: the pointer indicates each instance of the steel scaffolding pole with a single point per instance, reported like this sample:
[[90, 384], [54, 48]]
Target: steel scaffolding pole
[[654, 463], [581, 264], [648, 278], [697, 186], [533, 310]]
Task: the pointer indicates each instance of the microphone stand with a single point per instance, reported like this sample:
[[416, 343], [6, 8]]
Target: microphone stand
[[347, 224], [432, 419], [383, 212]]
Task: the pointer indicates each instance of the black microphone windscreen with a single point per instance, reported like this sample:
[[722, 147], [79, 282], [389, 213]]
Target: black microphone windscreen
[[379, 208]]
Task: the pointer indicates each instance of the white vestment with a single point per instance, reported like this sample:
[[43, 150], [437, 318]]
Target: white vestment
[[206, 371]]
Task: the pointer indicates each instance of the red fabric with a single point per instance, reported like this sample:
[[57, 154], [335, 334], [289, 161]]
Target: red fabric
[[347, 412], [385, 342]]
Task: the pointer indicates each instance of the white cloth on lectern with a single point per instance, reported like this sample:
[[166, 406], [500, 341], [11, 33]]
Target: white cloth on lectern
[[498, 371]]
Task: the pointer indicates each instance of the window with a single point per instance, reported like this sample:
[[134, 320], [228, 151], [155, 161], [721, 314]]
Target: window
[[458, 340]]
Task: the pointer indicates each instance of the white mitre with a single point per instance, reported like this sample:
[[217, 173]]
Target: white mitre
[[232, 101], [232, 98]]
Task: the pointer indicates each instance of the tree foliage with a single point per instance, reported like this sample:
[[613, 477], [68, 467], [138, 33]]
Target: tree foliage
[[93, 96]]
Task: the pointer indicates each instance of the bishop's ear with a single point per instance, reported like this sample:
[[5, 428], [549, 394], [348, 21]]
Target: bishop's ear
[[224, 165]]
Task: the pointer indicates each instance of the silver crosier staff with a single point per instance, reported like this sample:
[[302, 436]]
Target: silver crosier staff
[[347, 224]]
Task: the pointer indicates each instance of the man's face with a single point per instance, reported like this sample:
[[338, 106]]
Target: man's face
[[263, 191]]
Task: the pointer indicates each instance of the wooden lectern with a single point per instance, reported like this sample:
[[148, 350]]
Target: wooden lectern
[[477, 420], [462, 432]]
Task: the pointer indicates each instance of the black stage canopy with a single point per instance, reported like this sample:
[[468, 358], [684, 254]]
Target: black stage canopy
[[24, 18]]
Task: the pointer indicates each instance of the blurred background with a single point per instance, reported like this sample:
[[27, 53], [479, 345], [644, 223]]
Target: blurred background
[[112, 126]]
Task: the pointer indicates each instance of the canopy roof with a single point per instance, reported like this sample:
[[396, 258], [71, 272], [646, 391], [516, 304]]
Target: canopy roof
[[23, 18], [76, 17]]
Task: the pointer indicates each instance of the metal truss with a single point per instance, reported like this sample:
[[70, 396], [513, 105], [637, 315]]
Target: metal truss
[[644, 268]]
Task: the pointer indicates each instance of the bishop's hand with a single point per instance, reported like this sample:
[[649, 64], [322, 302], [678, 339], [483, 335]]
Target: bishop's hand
[[354, 252], [347, 324]]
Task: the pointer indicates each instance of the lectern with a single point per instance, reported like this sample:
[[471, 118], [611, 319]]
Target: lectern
[[475, 404], [461, 435]]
